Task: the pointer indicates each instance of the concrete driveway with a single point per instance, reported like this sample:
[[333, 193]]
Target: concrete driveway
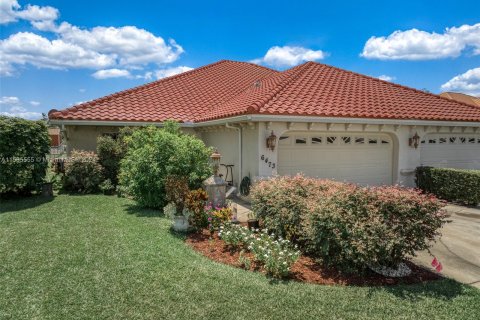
[[459, 247]]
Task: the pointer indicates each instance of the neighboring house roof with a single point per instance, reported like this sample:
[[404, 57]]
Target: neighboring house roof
[[229, 88], [462, 97]]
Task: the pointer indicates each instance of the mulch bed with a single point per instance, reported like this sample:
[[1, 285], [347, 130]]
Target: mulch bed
[[305, 269]]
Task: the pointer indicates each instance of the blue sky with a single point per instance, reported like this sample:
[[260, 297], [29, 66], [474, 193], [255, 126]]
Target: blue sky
[[57, 53]]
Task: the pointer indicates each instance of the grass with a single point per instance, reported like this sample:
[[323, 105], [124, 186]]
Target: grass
[[100, 257]]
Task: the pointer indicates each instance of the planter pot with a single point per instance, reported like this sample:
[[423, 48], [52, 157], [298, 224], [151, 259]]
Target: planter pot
[[253, 224], [180, 223], [47, 189]]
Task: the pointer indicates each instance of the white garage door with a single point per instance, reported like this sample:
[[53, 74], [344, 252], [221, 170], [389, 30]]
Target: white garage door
[[355, 157], [452, 150]]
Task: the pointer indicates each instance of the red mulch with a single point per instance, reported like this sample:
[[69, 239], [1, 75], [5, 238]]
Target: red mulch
[[305, 269]]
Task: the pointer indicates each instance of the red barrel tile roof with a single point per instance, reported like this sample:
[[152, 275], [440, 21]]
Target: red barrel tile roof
[[229, 88]]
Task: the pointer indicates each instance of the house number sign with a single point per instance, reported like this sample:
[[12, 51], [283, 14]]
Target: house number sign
[[270, 163]]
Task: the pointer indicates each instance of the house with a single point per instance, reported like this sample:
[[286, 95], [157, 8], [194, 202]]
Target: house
[[462, 97], [320, 120]]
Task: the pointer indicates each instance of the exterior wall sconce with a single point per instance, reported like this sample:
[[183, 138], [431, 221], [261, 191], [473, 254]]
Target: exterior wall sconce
[[215, 160], [414, 141], [272, 141]]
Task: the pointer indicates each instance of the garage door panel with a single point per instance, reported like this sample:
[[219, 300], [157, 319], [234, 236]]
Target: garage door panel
[[360, 163], [461, 151]]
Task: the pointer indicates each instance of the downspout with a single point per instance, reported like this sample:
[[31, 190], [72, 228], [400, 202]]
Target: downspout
[[239, 129]]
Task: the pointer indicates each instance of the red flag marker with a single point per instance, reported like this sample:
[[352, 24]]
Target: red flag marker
[[435, 262], [439, 268]]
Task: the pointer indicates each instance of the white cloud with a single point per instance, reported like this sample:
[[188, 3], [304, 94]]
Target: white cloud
[[100, 47], [29, 48], [163, 73], [12, 107], [287, 56], [468, 82], [416, 44], [111, 73], [10, 12], [34, 103], [384, 77]]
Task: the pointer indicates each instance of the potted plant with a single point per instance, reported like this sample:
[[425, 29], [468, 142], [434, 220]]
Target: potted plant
[[252, 221], [47, 185], [176, 188], [180, 221]]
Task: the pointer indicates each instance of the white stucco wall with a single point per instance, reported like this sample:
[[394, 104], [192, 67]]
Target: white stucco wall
[[259, 162], [226, 141]]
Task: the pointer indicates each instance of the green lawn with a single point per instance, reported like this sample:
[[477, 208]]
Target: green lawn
[[97, 257]]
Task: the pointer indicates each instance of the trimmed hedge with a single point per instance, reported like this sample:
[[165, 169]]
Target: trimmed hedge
[[348, 226], [24, 145], [457, 185]]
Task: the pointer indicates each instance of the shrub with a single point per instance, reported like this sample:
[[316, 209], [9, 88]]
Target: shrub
[[458, 185], [281, 203], [24, 145], [276, 255], [109, 156], [152, 155], [195, 204], [356, 227], [348, 226], [111, 151], [83, 173], [107, 187]]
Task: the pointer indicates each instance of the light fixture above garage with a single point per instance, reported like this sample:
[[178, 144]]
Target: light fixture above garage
[[414, 141], [272, 141]]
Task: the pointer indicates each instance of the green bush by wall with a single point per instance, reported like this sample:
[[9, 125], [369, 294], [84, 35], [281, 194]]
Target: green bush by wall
[[24, 145], [156, 153], [457, 185]]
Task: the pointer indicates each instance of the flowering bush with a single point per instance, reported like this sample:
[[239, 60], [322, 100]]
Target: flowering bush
[[217, 216], [281, 203], [83, 173], [276, 255], [195, 204], [348, 226]]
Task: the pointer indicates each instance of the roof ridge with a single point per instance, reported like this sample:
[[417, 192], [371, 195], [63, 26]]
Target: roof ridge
[[296, 71], [394, 84], [147, 85]]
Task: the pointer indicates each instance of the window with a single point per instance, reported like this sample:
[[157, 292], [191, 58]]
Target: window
[[372, 140], [442, 140], [301, 141], [346, 140], [359, 140], [317, 140], [331, 140], [284, 140]]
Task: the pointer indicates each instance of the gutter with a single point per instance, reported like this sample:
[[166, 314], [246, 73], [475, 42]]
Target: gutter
[[240, 151], [274, 118]]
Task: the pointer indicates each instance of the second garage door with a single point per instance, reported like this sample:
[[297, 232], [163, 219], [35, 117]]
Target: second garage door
[[354, 157]]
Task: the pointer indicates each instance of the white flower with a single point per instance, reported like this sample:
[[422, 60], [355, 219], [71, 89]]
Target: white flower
[[285, 263]]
